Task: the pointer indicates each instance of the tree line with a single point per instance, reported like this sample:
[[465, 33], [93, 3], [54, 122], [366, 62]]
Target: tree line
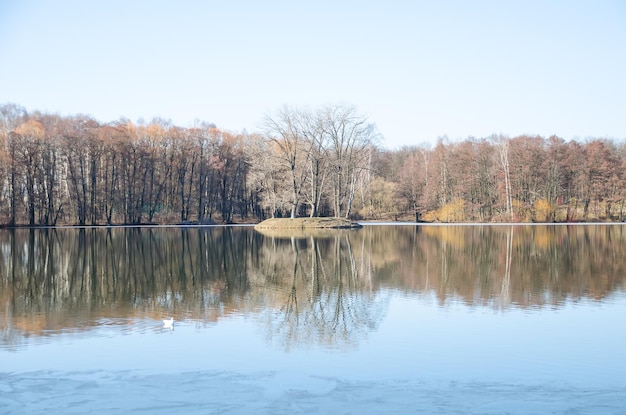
[[323, 162]]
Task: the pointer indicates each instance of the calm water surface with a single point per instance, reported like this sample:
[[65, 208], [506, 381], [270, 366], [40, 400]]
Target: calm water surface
[[431, 319]]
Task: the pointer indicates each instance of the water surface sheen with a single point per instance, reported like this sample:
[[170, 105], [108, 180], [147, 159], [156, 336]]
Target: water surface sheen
[[438, 319]]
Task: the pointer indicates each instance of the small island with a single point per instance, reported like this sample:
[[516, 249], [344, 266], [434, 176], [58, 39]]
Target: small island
[[307, 223]]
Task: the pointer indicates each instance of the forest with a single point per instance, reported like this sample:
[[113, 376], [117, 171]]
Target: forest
[[329, 161]]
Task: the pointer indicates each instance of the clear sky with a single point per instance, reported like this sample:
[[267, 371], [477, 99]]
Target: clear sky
[[418, 69]]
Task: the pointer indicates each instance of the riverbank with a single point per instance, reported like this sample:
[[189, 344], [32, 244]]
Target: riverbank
[[307, 223]]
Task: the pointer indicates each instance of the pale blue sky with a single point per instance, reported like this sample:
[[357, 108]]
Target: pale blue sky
[[418, 69]]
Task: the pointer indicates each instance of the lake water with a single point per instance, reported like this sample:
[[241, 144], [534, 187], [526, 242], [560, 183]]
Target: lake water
[[385, 319]]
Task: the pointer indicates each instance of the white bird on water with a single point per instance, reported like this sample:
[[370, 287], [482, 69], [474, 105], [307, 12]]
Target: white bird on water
[[169, 323]]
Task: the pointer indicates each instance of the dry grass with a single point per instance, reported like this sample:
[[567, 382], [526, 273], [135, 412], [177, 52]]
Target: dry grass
[[307, 223]]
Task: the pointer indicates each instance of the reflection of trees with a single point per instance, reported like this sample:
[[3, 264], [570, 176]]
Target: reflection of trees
[[500, 266], [321, 288], [324, 289], [56, 278], [505, 294]]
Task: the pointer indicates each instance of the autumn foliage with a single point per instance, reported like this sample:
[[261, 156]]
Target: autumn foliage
[[75, 170]]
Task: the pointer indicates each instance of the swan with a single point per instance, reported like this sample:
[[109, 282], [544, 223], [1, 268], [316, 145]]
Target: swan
[[169, 323]]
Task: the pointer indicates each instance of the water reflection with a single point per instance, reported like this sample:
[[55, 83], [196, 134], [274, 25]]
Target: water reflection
[[329, 289], [322, 289]]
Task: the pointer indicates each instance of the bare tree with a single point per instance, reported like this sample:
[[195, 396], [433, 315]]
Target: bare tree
[[11, 116], [30, 135], [317, 157], [502, 144], [285, 131], [350, 139], [265, 177], [412, 179]]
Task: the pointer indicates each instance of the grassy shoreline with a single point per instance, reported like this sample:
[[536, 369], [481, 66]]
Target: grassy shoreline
[[307, 223]]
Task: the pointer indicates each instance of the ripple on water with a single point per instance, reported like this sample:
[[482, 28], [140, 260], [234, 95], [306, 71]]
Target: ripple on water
[[56, 392]]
